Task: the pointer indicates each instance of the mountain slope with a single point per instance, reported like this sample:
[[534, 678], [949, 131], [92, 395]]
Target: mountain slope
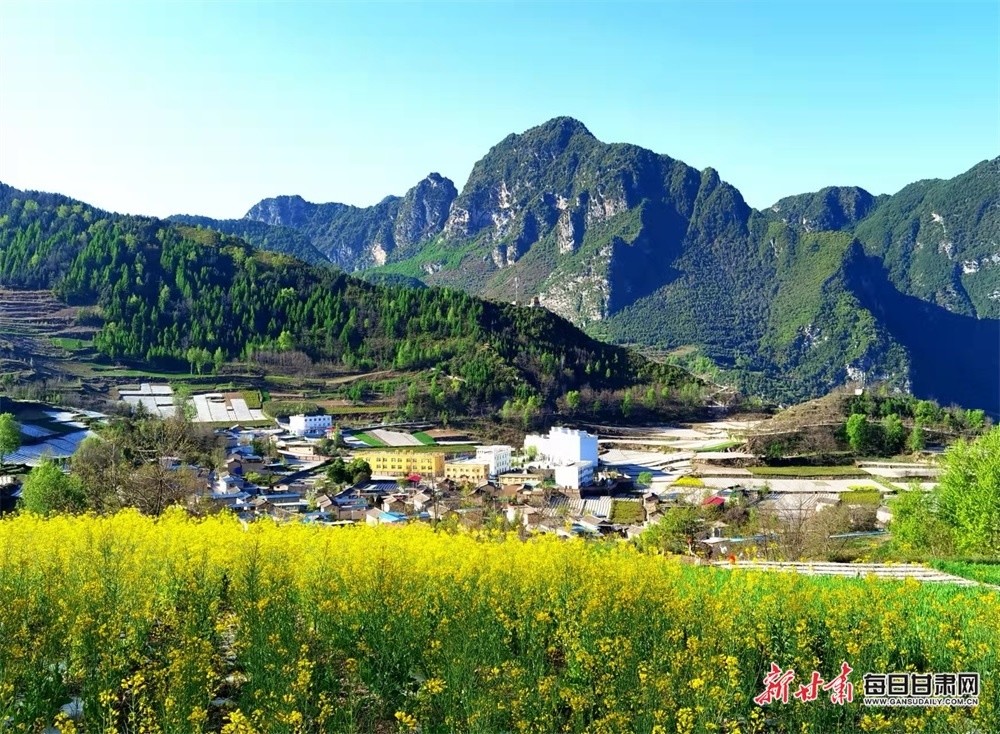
[[940, 240], [638, 248], [834, 208], [355, 237], [276, 238], [171, 294]]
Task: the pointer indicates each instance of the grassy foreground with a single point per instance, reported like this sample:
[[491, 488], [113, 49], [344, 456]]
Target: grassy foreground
[[184, 626]]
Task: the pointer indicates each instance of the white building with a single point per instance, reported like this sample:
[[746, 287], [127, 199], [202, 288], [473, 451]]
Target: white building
[[564, 446], [304, 425], [575, 475], [498, 457]]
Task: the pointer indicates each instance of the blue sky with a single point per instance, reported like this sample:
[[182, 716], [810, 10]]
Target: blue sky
[[208, 107]]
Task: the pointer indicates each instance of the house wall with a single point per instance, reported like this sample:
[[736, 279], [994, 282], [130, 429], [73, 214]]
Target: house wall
[[401, 463], [498, 457], [303, 424], [574, 475], [467, 471], [564, 445]]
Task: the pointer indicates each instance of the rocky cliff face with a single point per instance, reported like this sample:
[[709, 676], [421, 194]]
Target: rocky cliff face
[[283, 211], [424, 210]]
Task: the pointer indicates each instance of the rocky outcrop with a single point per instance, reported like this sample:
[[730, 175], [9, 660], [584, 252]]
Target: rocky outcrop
[[424, 210], [284, 211]]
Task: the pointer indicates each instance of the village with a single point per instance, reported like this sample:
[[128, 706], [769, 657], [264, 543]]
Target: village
[[568, 481]]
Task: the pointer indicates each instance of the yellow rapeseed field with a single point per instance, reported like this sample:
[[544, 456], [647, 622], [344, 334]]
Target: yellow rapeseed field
[[177, 625]]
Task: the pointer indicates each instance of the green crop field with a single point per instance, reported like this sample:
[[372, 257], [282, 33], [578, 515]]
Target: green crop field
[[806, 471]]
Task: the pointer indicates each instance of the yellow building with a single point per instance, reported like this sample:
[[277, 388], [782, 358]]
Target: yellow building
[[403, 463], [467, 470]]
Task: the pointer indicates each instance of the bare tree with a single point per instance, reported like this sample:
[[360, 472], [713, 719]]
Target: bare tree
[[153, 487]]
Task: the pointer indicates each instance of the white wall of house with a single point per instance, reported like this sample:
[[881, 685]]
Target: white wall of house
[[498, 457], [564, 445], [575, 475], [302, 425]]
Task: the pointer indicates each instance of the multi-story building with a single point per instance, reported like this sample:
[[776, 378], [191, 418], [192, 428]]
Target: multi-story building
[[575, 475], [304, 425], [498, 458], [564, 446], [474, 471], [403, 463]]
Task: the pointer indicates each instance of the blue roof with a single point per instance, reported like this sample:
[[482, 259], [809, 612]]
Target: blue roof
[[377, 486]]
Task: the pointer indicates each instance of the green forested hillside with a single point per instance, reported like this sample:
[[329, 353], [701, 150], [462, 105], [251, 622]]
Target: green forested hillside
[[831, 209], [639, 248], [285, 240], [173, 294], [940, 240]]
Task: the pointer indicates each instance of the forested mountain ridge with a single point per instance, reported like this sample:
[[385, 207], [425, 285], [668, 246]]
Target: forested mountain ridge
[[357, 237], [276, 238], [637, 247], [172, 294]]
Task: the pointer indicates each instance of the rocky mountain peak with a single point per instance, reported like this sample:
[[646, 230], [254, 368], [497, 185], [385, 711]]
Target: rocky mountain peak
[[284, 211], [424, 210]]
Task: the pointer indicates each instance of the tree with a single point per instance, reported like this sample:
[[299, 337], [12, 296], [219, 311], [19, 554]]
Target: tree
[[132, 463], [968, 493], [573, 399], [673, 531], [915, 525], [893, 434], [286, 342], [337, 471], [10, 436], [859, 433], [917, 440], [47, 489], [154, 487], [627, 403], [99, 466], [927, 411], [359, 470], [975, 420], [645, 478]]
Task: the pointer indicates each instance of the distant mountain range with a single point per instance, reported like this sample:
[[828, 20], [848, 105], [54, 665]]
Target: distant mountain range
[[639, 248], [172, 295]]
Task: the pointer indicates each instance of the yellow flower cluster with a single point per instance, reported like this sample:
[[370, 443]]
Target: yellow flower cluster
[[178, 625]]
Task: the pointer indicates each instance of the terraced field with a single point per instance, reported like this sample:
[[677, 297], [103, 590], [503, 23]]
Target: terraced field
[[39, 336]]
